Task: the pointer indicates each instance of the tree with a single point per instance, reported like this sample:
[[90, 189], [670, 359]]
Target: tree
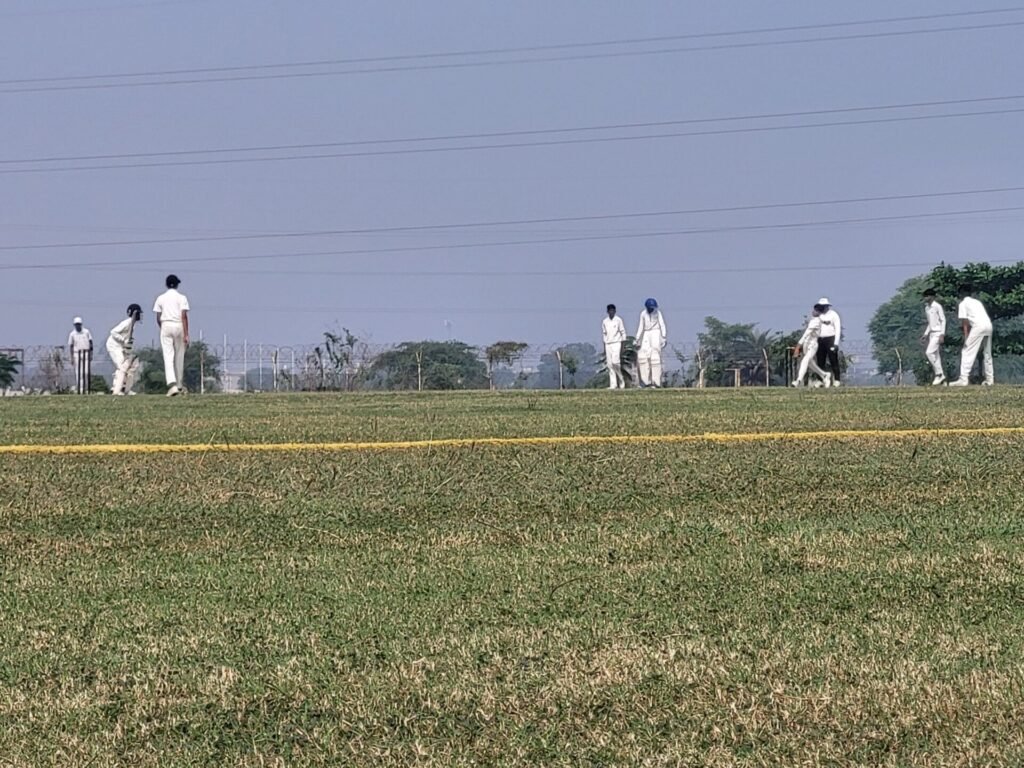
[[576, 361], [8, 370], [1000, 289], [897, 324], [200, 365], [502, 353], [341, 359], [895, 331], [428, 365], [724, 346]]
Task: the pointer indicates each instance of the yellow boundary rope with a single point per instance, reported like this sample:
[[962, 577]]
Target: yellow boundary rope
[[471, 442]]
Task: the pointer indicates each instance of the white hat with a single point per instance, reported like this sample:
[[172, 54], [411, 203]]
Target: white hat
[[824, 301], [77, 321]]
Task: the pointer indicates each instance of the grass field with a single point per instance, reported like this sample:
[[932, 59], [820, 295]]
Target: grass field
[[598, 604]]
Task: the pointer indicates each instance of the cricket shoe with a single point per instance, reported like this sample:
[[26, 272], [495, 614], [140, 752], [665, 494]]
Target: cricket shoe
[[940, 379], [827, 381], [796, 384], [173, 391], [988, 383], [958, 383]]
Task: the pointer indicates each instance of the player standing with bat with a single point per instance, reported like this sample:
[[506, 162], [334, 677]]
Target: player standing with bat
[[120, 347]]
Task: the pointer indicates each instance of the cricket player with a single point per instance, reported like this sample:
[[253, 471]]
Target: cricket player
[[80, 347], [651, 338], [171, 310], [120, 347], [808, 345], [934, 335], [977, 328], [828, 341], [613, 331]]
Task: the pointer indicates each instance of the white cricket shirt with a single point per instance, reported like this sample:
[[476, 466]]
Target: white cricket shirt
[[812, 332], [652, 332], [831, 325], [973, 311], [170, 305], [612, 330], [119, 333], [80, 342], [936, 319]]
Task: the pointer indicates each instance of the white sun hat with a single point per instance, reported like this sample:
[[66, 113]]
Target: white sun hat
[[824, 300], [76, 321]]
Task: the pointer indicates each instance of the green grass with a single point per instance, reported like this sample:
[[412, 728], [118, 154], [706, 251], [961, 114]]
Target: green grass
[[646, 605]]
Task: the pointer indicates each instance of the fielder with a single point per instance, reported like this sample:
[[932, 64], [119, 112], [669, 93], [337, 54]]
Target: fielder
[[171, 309], [613, 331], [120, 347], [80, 347], [977, 328], [934, 335], [808, 345], [651, 338]]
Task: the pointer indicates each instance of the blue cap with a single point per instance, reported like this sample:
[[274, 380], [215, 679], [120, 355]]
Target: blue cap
[[651, 304]]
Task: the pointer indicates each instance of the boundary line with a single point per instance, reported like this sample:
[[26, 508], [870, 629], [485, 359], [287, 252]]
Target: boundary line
[[472, 442]]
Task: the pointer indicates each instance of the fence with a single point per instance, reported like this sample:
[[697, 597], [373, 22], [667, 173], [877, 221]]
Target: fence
[[251, 366]]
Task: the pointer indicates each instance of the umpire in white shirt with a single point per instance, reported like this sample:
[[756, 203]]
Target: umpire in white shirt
[[171, 309], [828, 341]]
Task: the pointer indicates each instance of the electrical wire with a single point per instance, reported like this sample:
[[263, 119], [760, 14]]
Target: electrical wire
[[517, 222], [513, 243], [82, 86]]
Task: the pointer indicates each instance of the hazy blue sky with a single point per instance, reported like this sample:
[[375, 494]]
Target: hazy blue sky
[[293, 298]]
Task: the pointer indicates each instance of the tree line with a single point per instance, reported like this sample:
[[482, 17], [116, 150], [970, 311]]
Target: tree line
[[726, 353]]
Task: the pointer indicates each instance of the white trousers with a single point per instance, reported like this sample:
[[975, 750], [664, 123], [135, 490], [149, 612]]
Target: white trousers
[[934, 352], [613, 359], [649, 361], [172, 342], [809, 362], [126, 367], [980, 338]]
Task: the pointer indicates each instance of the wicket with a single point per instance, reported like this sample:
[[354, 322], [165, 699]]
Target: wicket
[[83, 372]]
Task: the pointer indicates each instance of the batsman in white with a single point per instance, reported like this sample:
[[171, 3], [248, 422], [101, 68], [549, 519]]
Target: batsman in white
[[808, 346], [120, 347], [934, 334], [977, 328], [613, 331], [651, 338], [171, 309]]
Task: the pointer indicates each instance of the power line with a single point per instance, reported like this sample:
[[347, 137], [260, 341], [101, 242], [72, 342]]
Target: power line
[[513, 243], [508, 134], [474, 64], [508, 145], [532, 273], [517, 222], [521, 49]]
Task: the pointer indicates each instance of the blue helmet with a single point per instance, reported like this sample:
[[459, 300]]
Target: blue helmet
[[651, 304]]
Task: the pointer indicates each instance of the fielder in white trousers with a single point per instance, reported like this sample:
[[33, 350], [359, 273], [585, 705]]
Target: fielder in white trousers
[[613, 358], [979, 340], [613, 333], [172, 342], [977, 328]]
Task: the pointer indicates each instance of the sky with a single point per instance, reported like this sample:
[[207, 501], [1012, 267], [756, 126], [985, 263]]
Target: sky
[[379, 235]]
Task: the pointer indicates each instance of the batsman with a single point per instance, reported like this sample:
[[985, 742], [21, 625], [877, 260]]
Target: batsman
[[120, 347]]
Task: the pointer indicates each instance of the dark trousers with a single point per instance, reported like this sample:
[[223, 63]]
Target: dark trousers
[[828, 353]]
